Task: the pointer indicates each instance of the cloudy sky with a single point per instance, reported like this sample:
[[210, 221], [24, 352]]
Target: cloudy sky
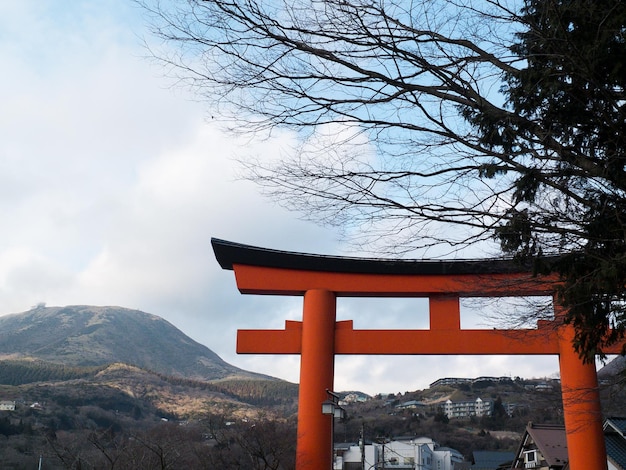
[[112, 183]]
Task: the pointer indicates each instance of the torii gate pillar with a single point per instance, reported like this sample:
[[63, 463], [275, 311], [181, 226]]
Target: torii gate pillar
[[320, 279], [581, 407], [317, 372]]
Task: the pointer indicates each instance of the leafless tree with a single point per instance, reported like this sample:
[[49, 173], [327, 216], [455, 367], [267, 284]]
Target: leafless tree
[[432, 123], [383, 85]]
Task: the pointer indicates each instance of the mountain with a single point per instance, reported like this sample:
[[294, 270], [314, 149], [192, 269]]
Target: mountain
[[613, 369], [83, 335]]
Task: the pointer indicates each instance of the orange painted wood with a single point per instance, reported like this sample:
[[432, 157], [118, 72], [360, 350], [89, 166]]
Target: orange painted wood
[[581, 407], [317, 374], [276, 281], [445, 342], [540, 341], [409, 342], [445, 313]]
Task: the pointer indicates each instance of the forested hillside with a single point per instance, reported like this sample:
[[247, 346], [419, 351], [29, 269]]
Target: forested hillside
[[19, 372]]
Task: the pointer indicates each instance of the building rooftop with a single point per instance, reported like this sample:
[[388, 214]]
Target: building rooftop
[[615, 439], [490, 460], [551, 441], [230, 253], [617, 424]]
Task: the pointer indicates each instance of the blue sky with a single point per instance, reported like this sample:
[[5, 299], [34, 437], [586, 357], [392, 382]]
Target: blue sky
[[112, 182]]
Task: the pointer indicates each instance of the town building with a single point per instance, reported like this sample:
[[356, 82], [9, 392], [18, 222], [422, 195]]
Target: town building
[[6, 405], [544, 446], [417, 407], [401, 454], [450, 381], [353, 398], [465, 409], [462, 380]]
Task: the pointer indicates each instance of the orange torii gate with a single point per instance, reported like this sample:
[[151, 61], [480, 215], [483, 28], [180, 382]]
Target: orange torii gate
[[319, 337]]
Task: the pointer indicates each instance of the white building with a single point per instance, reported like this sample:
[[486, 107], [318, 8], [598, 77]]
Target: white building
[[6, 405], [450, 381], [462, 380], [353, 398], [348, 457], [464, 409], [409, 454]]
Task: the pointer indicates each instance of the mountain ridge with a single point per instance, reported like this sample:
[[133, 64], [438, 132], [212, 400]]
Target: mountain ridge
[[83, 335]]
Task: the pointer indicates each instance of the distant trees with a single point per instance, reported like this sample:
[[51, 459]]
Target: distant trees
[[498, 418], [8, 429], [441, 417], [263, 393], [262, 445], [16, 372], [163, 447], [501, 119], [95, 438]]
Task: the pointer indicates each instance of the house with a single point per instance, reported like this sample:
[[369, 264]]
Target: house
[[353, 398], [543, 387], [6, 405], [401, 454], [544, 446], [418, 406]]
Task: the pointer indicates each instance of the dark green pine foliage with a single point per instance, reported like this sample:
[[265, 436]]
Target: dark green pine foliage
[[566, 137], [19, 372]]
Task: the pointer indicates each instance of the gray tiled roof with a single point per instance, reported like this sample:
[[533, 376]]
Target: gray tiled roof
[[490, 460], [619, 424], [616, 449]]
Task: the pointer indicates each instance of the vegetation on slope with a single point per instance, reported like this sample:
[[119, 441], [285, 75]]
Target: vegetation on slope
[[19, 372], [82, 335]]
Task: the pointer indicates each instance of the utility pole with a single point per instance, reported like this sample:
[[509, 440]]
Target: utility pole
[[362, 445], [382, 441]]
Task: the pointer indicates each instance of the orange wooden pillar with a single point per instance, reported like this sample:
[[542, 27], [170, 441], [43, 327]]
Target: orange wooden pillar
[[581, 407], [317, 371]]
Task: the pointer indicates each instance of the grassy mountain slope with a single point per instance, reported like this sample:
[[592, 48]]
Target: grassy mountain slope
[[122, 387], [93, 336]]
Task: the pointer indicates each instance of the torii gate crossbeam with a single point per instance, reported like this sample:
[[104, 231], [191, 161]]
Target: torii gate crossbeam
[[319, 337]]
